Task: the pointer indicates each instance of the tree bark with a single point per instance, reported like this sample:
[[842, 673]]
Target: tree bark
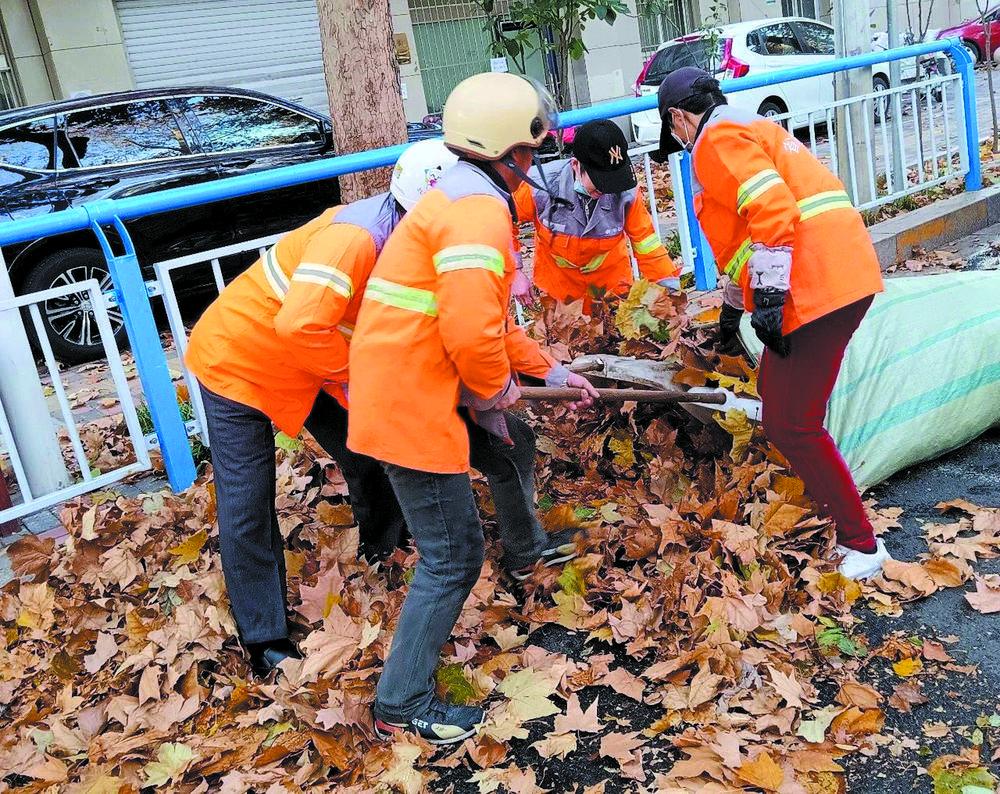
[[990, 64], [362, 80]]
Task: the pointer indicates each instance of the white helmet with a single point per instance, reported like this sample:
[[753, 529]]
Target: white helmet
[[419, 167]]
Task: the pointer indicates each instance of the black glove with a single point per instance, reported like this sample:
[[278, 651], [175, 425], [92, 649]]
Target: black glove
[[768, 312], [729, 331]]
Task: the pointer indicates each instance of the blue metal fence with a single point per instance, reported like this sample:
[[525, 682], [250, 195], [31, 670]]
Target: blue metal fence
[[131, 293]]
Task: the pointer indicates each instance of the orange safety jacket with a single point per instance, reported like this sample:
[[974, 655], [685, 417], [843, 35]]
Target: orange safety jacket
[[436, 316], [777, 217], [580, 246], [280, 332]]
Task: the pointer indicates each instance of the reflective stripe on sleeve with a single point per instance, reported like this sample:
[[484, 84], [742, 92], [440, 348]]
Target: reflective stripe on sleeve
[[815, 205], [325, 276], [734, 268], [410, 299], [275, 276], [755, 187], [647, 244], [469, 257]]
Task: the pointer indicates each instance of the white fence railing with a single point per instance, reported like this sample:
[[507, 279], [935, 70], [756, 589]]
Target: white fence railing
[[165, 287], [85, 479], [911, 138]]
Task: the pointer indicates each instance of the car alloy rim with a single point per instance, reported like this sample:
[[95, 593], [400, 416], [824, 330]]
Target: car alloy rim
[[881, 103], [72, 316]]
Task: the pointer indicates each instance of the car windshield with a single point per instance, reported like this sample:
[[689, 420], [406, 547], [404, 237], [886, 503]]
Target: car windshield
[[693, 52]]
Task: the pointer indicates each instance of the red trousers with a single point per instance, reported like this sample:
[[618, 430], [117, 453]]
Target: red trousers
[[795, 392]]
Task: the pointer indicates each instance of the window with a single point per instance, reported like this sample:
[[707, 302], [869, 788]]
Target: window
[[32, 144], [130, 132], [235, 123], [798, 8], [816, 38], [778, 39], [697, 52]]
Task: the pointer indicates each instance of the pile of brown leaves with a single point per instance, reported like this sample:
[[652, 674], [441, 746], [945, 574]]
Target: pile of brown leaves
[[703, 594]]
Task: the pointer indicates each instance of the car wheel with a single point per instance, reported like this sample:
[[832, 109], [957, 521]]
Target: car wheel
[[69, 321], [973, 49], [771, 110], [882, 105]]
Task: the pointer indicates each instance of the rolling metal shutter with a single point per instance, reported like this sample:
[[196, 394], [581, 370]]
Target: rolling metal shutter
[[267, 45]]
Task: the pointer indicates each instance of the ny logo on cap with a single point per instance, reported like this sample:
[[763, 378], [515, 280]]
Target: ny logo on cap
[[615, 153]]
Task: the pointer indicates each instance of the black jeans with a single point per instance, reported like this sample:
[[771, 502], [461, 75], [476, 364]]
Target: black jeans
[[253, 551], [441, 513]]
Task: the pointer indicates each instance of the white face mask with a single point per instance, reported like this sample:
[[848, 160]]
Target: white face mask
[[686, 145]]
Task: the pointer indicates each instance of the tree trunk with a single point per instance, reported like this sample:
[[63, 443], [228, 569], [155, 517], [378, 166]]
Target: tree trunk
[[362, 80], [990, 65]]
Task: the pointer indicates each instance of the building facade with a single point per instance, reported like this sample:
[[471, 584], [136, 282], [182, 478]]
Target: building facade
[[53, 49]]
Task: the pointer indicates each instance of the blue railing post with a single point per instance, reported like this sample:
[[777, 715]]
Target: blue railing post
[[705, 277], [150, 360], [966, 68]]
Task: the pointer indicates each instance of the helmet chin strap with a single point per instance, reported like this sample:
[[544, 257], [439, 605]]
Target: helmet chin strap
[[546, 187]]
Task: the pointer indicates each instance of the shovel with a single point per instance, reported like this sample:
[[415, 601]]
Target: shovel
[[547, 394]]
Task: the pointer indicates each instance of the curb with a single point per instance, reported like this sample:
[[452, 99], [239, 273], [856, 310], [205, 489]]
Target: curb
[[935, 225]]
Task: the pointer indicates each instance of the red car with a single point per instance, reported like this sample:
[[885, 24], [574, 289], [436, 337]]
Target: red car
[[972, 32]]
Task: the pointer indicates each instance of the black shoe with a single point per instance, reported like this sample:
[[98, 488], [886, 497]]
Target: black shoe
[[442, 723], [266, 656], [559, 547]]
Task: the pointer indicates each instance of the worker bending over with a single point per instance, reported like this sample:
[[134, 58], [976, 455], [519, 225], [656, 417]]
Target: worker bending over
[[799, 258], [582, 226], [269, 350], [434, 335]]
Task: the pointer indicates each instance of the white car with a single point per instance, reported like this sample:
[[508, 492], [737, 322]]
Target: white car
[[749, 48]]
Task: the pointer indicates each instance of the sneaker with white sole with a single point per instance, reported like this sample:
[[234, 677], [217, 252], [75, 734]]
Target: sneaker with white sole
[[858, 564], [559, 547], [441, 723]]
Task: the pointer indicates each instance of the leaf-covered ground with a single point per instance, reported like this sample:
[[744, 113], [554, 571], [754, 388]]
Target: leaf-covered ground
[[701, 642]]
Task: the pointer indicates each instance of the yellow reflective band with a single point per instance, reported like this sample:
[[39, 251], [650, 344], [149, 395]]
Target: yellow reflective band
[[410, 299], [735, 266], [594, 263], [469, 257], [647, 245], [756, 186], [325, 276], [590, 267], [275, 276], [824, 202]]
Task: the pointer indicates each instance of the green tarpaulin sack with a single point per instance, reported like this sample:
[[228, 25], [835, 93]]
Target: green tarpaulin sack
[[921, 376]]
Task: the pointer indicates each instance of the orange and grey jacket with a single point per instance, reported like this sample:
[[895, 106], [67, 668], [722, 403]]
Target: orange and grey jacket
[[435, 317], [580, 248], [777, 217], [280, 332]]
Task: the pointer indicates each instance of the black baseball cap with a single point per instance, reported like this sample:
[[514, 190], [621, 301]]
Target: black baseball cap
[[602, 150], [675, 88]]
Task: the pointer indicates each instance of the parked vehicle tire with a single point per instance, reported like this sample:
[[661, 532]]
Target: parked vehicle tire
[[69, 321], [769, 109], [973, 49], [882, 107]]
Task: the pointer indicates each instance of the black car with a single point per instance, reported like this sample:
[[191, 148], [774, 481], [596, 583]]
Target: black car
[[61, 154]]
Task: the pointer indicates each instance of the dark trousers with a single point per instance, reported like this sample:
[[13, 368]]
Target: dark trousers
[[253, 551], [441, 513], [794, 392]]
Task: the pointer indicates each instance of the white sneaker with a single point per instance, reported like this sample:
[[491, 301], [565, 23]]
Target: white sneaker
[[858, 564]]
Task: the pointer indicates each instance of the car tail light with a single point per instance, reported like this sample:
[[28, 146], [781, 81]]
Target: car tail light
[[732, 65], [642, 74]]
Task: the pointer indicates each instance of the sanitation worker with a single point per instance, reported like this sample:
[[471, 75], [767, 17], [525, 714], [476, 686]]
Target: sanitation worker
[[433, 368], [585, 226], [272, 349], [799, 259]]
